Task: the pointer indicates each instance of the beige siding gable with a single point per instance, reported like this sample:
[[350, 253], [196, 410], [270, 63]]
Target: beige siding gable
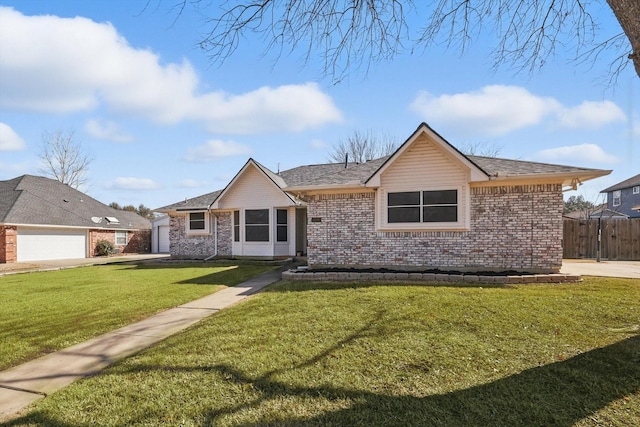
[[424, 166], [252, 189]]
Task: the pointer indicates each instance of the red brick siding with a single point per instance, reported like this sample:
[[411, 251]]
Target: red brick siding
[[8, 244], [137, 241]]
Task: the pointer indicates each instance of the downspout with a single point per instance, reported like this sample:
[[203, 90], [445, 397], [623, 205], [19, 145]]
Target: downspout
[[215, 239]]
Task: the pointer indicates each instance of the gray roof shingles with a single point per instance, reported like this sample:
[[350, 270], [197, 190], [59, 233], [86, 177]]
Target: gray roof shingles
[[627, 183], [336, 174], [42, 201]]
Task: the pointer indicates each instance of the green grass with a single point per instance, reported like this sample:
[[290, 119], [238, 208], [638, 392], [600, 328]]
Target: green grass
[[365, 355], [46, 311]]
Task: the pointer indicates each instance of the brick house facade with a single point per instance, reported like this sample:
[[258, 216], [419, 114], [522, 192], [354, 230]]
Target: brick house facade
[[524, 232], [427, 206]]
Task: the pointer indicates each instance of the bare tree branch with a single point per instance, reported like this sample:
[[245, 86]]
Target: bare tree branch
[[63, 159], [349, 34], [363, 146]]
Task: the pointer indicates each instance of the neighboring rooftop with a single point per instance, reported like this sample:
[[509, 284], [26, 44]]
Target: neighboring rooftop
[[37, 200], [627, 183]]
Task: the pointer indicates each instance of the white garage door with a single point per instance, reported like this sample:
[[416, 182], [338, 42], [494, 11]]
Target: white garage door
[[163, 239], [39, 244]]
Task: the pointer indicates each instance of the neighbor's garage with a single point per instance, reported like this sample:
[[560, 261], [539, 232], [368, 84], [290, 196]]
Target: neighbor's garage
[[40, 244]]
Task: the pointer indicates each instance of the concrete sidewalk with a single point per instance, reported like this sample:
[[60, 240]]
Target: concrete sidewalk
[[589, 267], [24, 384]]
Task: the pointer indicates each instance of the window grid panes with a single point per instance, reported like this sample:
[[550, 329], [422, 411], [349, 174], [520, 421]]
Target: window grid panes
[[422, 206], [281, 225], [196, 221], [236, 226], [616, 198], [121, 238], [256, 222]]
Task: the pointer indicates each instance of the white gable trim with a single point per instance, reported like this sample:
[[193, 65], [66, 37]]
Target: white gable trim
[[250, 164], [475, 173]]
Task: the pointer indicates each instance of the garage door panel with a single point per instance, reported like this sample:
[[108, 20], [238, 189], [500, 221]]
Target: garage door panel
[[39, 244], [163, 239]]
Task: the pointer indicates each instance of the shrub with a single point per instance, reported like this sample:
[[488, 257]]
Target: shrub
[[104, 248]]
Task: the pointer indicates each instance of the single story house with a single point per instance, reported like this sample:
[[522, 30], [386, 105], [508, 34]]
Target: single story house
[[43, 219], [623, 198], [425, 206]]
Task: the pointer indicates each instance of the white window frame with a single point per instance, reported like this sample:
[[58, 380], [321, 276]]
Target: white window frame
[[616, 196], [206, 229], [119, 234], [249, 225], [463, 206], [636, 189]]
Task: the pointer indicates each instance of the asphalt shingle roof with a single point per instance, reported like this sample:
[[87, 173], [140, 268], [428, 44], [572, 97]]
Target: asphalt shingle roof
[[336, 174], [627, 183], [42, 201]]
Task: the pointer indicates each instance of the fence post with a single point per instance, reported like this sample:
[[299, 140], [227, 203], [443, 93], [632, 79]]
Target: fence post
[[599, 240]]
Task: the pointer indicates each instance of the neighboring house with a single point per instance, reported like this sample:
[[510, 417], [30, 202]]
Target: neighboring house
[[624, 197], [425, 206], [596, 212], [160, 234], [43, 219]]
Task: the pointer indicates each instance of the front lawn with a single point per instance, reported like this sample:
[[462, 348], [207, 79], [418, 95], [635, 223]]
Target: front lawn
[[305, 354], [47, 311]]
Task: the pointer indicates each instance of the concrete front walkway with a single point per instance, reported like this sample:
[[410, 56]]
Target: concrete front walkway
[[24, 384]]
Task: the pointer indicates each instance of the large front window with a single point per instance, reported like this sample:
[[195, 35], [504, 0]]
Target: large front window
[[256, 223], [422, 206]]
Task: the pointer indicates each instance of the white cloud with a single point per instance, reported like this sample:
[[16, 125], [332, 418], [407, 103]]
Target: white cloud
[[9, 139], [582, 153], [497, 110], [590, 115], [88, 64], [214, 150], [491, 111], [131, 183], [108, 131], [317, 144]]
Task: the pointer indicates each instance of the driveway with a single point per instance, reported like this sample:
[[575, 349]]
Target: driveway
[[19, 267], [589, 267]]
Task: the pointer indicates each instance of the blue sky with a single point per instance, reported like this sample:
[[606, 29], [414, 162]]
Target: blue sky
[[163, 122]]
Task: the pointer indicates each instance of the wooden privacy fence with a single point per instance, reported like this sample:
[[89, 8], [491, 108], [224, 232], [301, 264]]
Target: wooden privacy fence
[[620, 239]]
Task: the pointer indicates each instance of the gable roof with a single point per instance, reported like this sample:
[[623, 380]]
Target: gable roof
[[477, 174], [352, 175], [627, 183], [274, 179], [35, 200]]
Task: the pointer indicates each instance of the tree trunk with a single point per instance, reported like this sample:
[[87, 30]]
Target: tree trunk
[[628, 14]]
